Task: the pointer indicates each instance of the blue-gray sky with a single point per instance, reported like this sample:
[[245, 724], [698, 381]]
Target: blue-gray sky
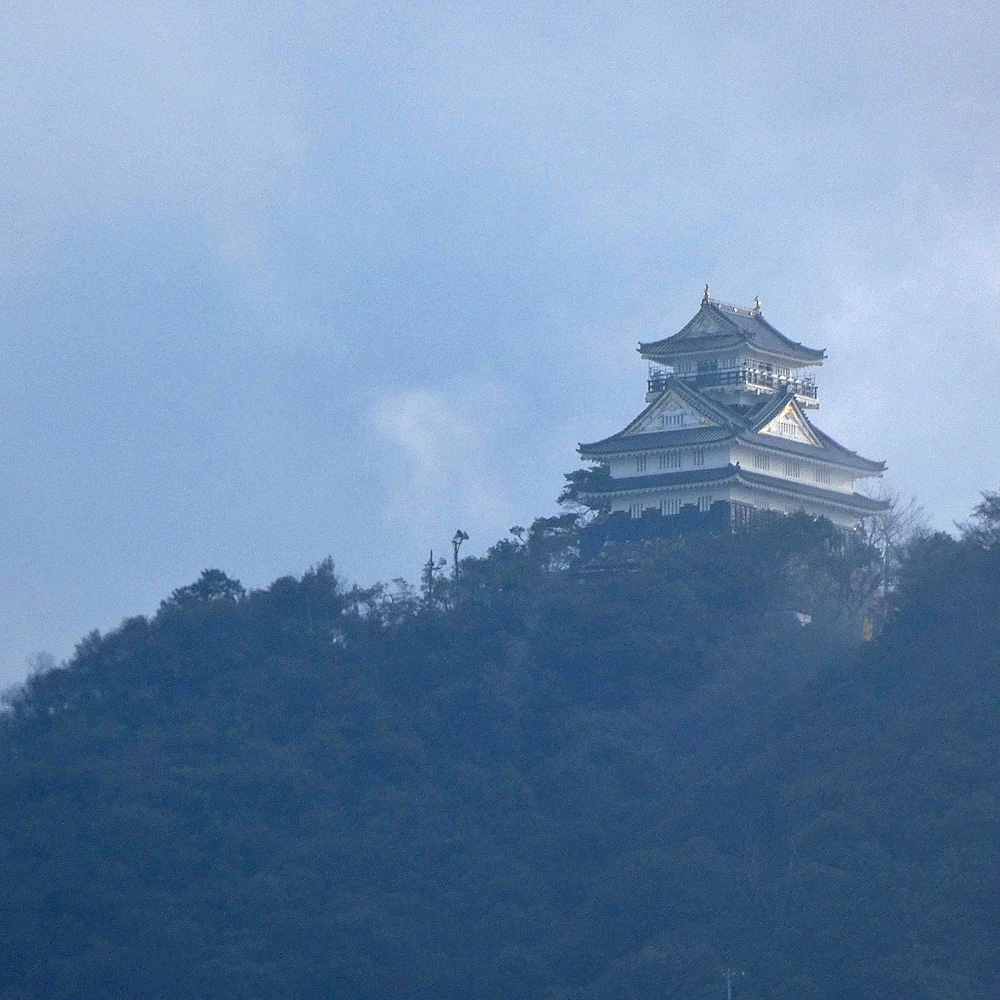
[[295, 279]]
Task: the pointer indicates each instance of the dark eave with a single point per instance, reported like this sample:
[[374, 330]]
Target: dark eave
[[732, 473], [731, 425], [827, 452], [633, 484], [853, 500], [627, 444]]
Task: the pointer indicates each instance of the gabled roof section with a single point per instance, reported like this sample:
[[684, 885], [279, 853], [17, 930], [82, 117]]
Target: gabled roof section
[[718, 424], [670, 409], [815, 444], [784, 410], [718, 326], [677, 388], [769, 408], [723, 424]]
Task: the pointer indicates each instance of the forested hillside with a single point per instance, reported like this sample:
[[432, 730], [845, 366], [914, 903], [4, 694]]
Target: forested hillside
[[542, 780]]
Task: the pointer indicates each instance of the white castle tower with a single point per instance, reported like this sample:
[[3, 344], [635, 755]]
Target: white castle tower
[[726, 423]]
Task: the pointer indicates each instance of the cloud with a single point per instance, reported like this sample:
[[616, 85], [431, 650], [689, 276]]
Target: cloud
[[913, 344], [439, 449], [170, 118]]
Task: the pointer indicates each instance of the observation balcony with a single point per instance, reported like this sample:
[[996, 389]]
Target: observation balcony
[[745, 378]]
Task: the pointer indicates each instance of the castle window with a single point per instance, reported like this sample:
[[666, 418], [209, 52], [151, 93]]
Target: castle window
[[671, 506], [674, 420], [793, 469], [698, 456], [705, 503], [635, 510], [640, 463], [670, 460], [822, 475], [761, 461]]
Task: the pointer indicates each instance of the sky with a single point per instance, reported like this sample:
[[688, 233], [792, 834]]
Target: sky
[[288, 280]]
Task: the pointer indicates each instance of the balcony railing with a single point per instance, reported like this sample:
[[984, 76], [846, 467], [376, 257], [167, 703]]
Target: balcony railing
[[739, 377]]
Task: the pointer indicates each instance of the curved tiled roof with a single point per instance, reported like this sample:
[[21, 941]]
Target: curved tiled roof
[[769, 408], [870, 504], [623, 443], [717, 326], [731, 426], [726, 423], [733, 473], [829, 448], [689, 477]]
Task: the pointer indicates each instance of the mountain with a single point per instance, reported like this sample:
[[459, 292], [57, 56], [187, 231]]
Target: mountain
[[549, 778]]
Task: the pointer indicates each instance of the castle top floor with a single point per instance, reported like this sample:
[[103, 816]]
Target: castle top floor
[[735, 355]]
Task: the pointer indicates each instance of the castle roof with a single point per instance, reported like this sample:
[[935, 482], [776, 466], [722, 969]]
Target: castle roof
[[631, 444], [723, 424], [735, 474], [718, 326]]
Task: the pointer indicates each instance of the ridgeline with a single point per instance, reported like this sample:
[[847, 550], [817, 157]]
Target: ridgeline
[[633, 778]]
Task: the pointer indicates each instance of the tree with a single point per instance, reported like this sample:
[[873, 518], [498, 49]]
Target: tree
[[983, 529], [212, 585], [581, 481], [40, 663], [890, 531], [565, 781], [432, 583]]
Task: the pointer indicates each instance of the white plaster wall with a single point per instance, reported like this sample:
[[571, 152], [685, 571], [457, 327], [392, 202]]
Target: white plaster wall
[[624, 467], [841, 481], [738, 493]]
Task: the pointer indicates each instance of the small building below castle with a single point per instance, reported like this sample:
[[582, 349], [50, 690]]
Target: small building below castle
[[726, 421]]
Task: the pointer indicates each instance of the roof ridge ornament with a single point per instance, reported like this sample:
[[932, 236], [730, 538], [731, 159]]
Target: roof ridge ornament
[[756, 306], [705, 299]]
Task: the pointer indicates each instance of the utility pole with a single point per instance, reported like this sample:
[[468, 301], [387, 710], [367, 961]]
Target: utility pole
[[729, 974], [456, 544], [427, 578]]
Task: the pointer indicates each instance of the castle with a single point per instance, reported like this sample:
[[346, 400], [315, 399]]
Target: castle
[[725, 423]]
